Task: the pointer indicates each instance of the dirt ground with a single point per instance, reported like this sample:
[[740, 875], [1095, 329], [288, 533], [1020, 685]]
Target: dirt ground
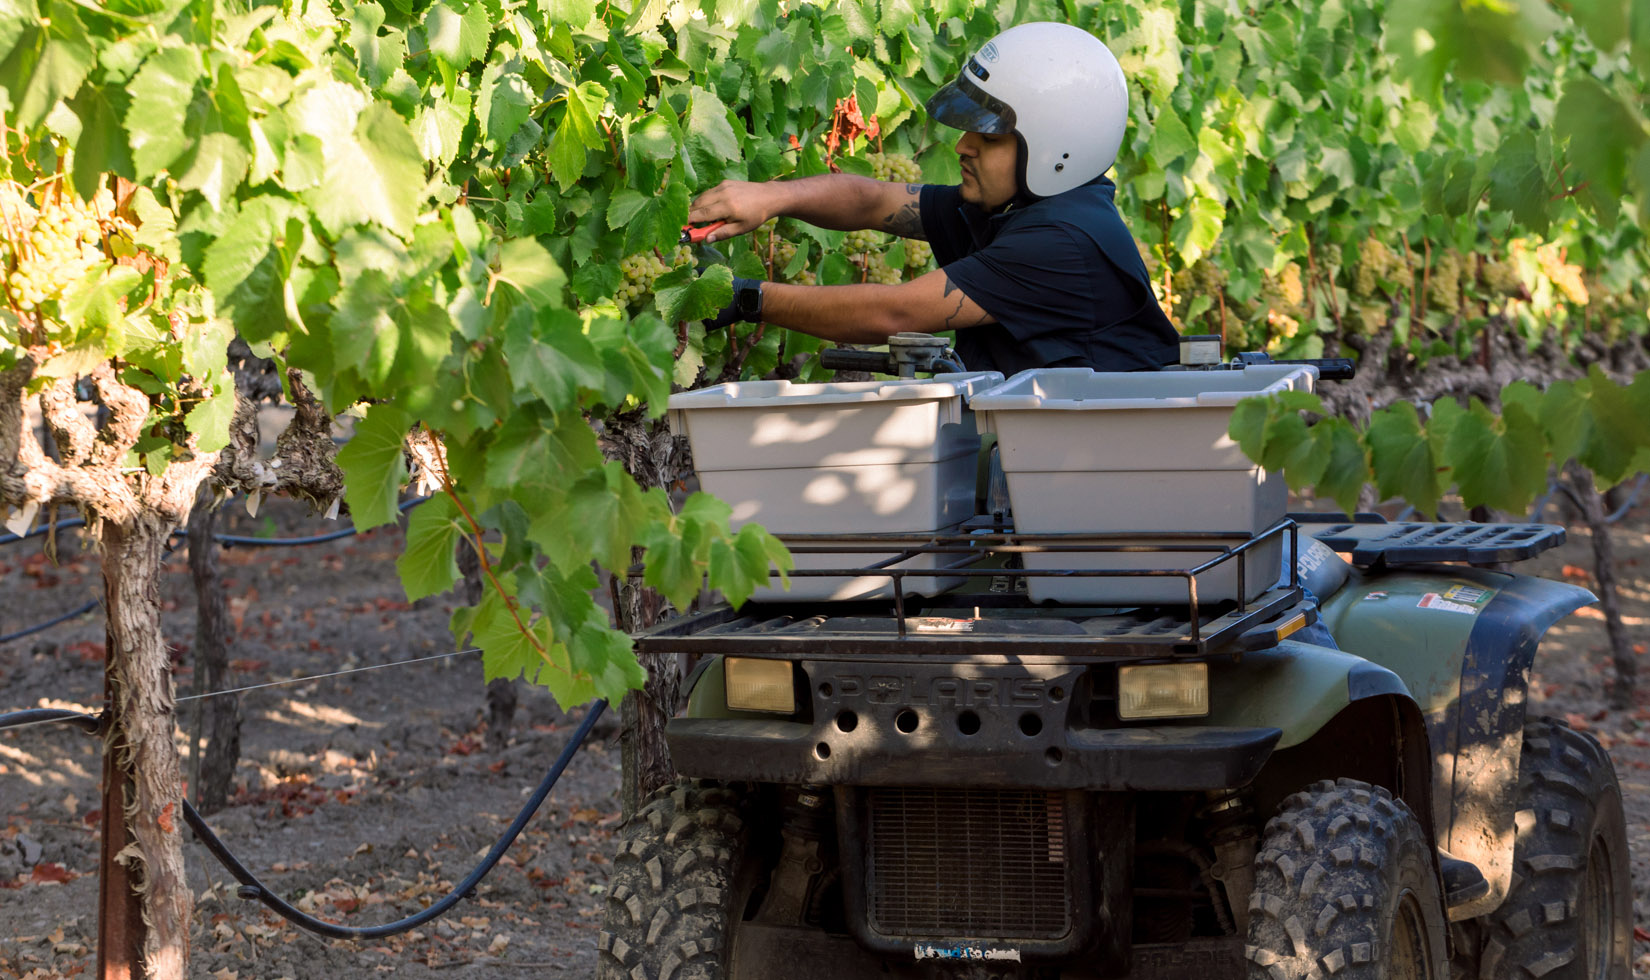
[[364, 797]]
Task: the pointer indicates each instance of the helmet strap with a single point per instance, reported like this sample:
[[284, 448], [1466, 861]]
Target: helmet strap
[[1022, 194]]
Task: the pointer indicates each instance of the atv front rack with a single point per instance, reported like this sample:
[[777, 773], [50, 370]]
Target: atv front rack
[[956, 623]]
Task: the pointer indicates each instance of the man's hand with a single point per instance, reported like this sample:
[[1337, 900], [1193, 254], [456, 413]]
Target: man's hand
[[742, 205]]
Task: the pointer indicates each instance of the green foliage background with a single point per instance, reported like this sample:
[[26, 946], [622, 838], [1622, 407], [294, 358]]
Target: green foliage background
[[424, 206]]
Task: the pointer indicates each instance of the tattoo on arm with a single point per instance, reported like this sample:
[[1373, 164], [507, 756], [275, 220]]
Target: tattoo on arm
[[957, 321], [906, 220]]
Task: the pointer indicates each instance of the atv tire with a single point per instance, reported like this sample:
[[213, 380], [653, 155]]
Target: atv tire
[[1569, 913], [678, 890], [1345, 887]]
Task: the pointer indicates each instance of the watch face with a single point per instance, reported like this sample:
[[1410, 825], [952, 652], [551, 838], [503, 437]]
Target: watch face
[[750, 300]]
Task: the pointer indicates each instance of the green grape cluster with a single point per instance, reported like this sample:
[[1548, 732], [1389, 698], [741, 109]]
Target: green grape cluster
[[918, 253], [878, 270], [895, 167], [767, 241], [61, 243], [1444, 282], [805, 278], [861, 242], [641, 269], [1202, 278], [1375, 262], [1370, 318], [1500, 278]]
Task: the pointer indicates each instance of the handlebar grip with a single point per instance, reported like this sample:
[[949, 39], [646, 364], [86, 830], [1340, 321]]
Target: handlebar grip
[[1330, 368], [842, 359]]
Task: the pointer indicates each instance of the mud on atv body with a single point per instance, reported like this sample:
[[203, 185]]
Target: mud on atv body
[[956, 793]]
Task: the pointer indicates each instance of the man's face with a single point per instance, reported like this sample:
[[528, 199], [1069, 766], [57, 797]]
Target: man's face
[[989, 168]]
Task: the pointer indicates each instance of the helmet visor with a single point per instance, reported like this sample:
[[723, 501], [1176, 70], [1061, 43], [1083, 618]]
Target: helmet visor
[[963, 105]]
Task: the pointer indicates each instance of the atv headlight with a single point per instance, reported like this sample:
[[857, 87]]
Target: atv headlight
[[1163, 691], [760, 685]]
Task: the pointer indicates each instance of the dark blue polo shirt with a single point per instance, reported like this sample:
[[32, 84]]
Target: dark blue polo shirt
[[1062, 277]]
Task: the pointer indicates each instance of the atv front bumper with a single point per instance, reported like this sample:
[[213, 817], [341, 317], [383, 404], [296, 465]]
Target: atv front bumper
[[878, 753]]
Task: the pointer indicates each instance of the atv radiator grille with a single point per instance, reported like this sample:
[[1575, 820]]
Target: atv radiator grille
[[968, 863]]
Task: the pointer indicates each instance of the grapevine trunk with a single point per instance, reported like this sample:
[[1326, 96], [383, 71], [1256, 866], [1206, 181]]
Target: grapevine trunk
[[140, 742]]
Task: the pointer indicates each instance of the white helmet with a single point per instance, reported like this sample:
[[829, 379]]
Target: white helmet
[[1055, 86]]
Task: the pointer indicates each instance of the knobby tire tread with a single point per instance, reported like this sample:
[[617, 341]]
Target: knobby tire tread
[[1567, 795], [1331, 869], [670, 900]]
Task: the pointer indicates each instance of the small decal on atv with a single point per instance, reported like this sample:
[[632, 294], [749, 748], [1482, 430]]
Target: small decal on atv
[[1433, 600], [964, 953], [939, 624], [1468, 593], [1374, 595]]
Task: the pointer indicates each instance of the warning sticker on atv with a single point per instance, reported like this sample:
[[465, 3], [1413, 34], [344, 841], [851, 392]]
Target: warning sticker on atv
[[1477, 595], [1433, 600]]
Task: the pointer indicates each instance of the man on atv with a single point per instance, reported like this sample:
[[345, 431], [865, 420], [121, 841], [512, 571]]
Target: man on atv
[[1036, 266]]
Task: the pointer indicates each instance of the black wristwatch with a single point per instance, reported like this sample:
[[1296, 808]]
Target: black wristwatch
[[747, 299]]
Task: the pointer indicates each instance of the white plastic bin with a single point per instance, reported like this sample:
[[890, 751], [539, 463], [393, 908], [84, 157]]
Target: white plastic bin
[[839, 458], [1145, 451]]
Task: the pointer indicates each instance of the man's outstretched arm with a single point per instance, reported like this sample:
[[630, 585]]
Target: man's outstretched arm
[[843, 202], [871, 313]]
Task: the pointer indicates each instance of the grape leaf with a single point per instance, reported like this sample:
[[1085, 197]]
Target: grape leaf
[[683, 294], [551, 358], [669, 562], [216, 168], [161, 92], [576, 133], [429, 565], [457, 39], [374, 469], [1402, 458], [1347, 471], [368, 175], [524, 264], [710, 141], [378, 55], [1604, 140], [1498, 462], [210, 419]]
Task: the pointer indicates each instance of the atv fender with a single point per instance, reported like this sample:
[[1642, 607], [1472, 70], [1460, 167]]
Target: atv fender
[[1296, 687], [1463, 640]]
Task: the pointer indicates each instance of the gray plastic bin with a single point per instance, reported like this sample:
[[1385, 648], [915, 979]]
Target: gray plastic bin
[[1146, 451], [840, 458]]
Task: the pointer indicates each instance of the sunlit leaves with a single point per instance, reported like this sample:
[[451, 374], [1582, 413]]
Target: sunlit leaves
[[161, 92], [576, 133], [372, 164]]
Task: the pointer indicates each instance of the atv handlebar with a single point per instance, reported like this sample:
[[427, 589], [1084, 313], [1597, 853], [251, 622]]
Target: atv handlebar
[[843, 359], [1329, 368]]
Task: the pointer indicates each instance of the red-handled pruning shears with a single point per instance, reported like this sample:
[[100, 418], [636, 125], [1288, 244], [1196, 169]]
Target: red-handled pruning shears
[[696, 235]]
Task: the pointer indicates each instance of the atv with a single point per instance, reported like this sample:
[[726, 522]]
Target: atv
[[975, 784]]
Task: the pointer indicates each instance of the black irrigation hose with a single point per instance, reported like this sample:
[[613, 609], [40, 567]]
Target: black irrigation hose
[[227, 540], [252, 888], [39, 716], [242, 541], [63, 525], [48, 624]]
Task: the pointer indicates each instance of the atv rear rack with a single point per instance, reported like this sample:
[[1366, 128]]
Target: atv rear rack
[[1376, 543], [896, 628]]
